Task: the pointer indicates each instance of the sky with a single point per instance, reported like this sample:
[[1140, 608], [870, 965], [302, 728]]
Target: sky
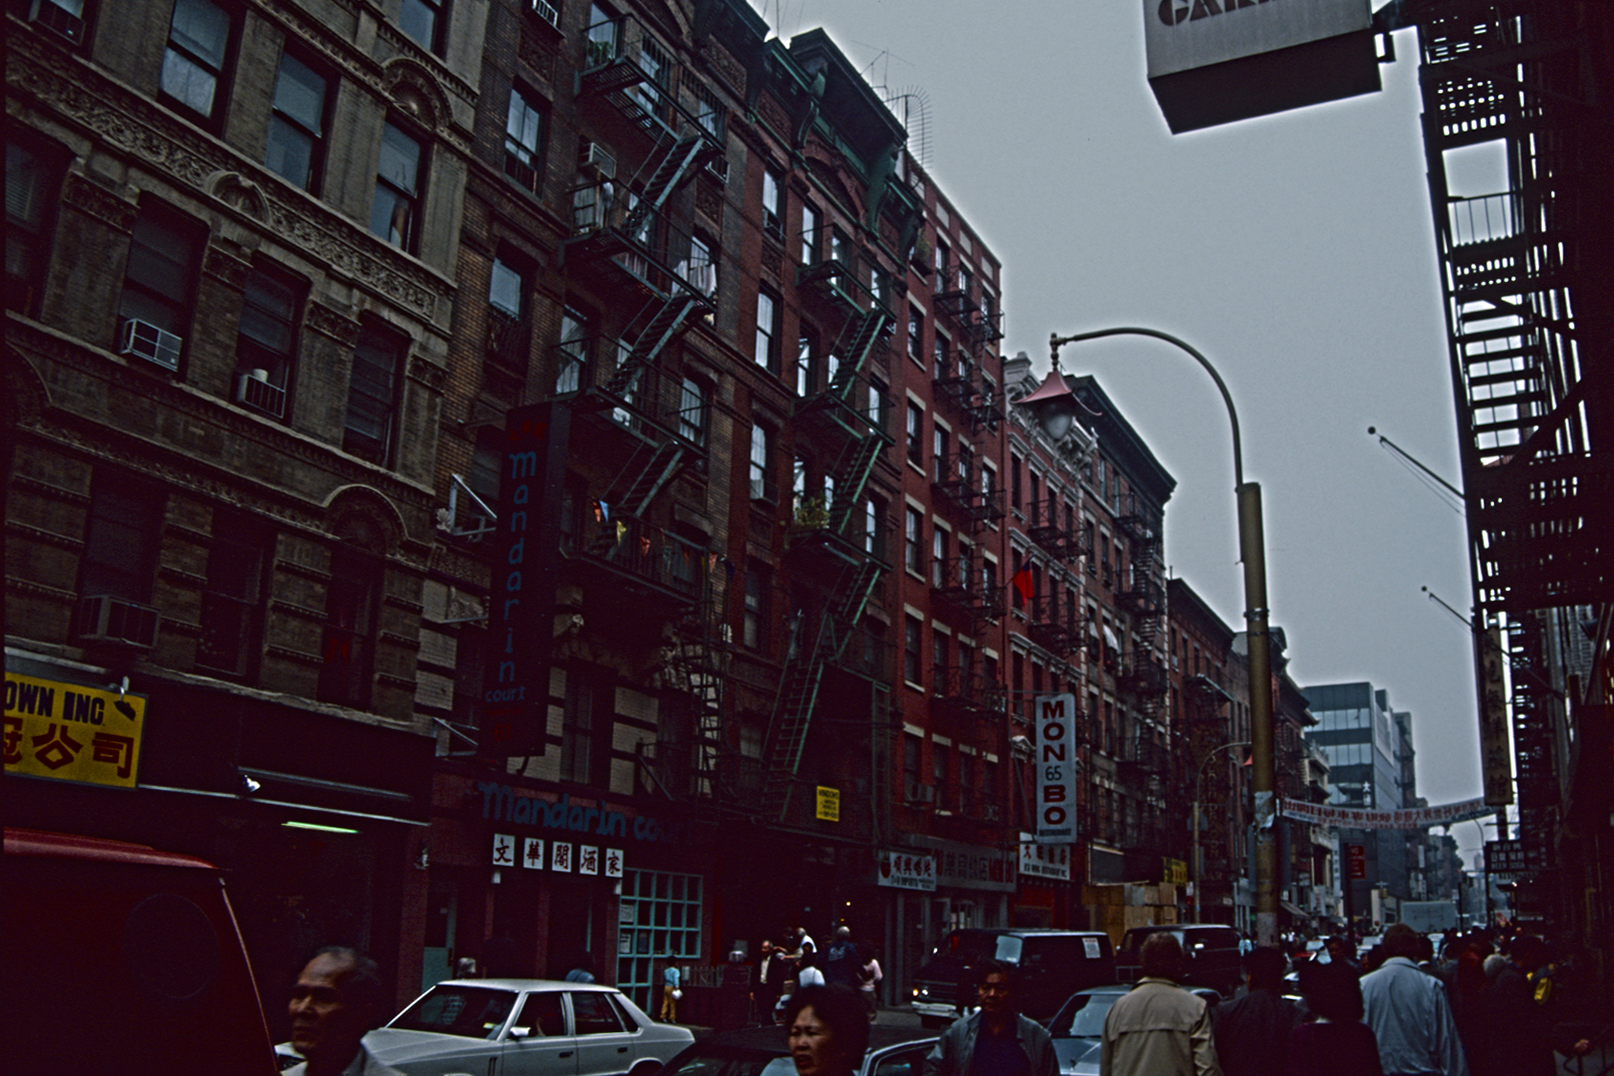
[[1295, 251]]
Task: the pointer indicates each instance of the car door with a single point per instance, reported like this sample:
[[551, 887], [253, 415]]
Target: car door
[[540, 1042], [605, 1044], [898, 1061]]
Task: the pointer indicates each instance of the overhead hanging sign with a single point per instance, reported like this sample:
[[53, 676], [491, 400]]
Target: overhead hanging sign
[[1324, 814], [1056, 769], [1216, 61]]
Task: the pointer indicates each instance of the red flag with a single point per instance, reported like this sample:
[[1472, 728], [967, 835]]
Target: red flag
[[1022, 582]]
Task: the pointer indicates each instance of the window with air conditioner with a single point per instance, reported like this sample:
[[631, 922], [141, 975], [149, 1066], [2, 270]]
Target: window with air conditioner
[[266, 343], [119, 561], [547, 11], [154, 310]]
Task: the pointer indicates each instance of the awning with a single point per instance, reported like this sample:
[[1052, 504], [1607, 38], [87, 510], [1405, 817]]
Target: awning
[[1110, 640], [1294, 910]]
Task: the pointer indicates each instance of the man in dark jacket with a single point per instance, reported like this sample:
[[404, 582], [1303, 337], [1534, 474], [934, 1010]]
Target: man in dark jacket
[[997, 1041], [1252, 1032], [1516, 1020]]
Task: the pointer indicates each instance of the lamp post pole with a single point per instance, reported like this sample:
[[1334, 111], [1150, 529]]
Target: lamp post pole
[[1252, 552], [1199, 780]]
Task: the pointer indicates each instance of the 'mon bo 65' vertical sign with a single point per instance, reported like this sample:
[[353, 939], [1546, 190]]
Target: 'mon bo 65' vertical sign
[[1056, 769]]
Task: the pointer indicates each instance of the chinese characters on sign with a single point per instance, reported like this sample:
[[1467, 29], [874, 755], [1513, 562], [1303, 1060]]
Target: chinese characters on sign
[[68, 732], [907, 870], [565, 857], [1056, 769], [1364, 818], [1044, 860]]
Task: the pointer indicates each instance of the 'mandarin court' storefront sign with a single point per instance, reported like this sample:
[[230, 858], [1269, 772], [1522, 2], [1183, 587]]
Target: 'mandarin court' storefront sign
[[502, 803]]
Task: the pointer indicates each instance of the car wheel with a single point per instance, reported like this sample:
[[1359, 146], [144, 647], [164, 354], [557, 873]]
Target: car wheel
[[645, 1068]]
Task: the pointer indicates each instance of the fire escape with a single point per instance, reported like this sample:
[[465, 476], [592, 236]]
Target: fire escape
[[633, 240], [837, 538], [1142, 670], [1525, 273]]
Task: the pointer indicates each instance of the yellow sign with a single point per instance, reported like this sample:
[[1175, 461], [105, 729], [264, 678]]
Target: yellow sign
[[69, 732], [829, 804], [1176, 871]]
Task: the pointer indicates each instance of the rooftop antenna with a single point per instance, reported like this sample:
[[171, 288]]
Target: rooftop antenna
[[911, 106]]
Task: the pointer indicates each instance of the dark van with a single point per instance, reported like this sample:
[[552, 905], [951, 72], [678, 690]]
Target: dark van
[[1211, 952], [120, 958], [1052, 965]]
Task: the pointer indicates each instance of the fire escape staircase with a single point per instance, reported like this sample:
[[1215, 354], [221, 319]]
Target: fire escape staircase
[[804, 674], [677, 163], [1145, 595]]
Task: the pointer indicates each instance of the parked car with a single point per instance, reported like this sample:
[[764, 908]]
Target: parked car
[[1078, 1027], [523, 1027], [765, 1051], [121, 958], [1052, 965], [1211, 953]]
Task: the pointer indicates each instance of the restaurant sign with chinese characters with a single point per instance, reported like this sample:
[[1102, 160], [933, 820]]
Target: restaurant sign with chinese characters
[[898, 869], [69, 732], [562, 857]]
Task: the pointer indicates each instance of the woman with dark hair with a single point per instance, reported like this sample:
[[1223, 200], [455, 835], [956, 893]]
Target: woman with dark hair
[[1338, 1044], [829, 1030]]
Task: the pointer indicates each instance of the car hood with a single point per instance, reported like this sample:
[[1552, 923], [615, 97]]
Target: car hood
[[394, 1045]]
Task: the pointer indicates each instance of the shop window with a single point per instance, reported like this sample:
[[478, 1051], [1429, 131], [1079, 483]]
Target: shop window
[[659, 916], [296, 148]]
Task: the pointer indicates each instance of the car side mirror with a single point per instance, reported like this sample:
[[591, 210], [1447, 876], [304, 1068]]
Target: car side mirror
[[521, 1033]]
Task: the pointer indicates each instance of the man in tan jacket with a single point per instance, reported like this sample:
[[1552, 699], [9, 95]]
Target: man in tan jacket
[[1159, 1029]]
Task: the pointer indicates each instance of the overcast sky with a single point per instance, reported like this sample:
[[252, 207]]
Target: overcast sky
[[1295, 251]]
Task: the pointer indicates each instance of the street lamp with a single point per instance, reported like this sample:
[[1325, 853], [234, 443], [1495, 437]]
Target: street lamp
[[1199, 900], [1053, 409]]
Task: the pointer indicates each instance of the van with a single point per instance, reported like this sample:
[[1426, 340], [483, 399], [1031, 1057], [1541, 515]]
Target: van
[[1210, 951], [120, 958], [1052, 965]]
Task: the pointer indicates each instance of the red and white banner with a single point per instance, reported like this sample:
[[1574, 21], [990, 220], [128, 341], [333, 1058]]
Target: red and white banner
[[1323, 814]]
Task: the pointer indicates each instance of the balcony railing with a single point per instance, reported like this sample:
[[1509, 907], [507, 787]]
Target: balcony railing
[[966, 690], [1054, 530], [1053, 624], [962, 485], [1142, 672], [642, 551], [625, 64], [657, 253], [1482, 219], [966, 584]]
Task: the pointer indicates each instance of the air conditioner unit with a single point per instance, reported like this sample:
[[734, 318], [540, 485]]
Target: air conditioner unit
[[144, 340], [927, 793], [547, 12], [259, 394], [718, 168], [595, 160], [102, 618]]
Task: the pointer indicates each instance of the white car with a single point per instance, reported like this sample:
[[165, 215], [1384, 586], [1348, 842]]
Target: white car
[[525, 1027]]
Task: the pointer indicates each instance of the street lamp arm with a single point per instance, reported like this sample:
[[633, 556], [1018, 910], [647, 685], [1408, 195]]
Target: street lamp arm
[[1055, 342]]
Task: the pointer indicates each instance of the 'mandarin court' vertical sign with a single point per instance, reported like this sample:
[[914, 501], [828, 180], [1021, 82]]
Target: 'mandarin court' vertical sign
[[1056, 769], [522, 580]]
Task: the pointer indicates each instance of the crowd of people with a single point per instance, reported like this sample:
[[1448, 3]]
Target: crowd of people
[[784, 969]]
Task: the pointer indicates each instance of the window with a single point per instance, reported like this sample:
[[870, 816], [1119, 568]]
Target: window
[[840, 248], [297, 124], [916, 434], [943, 257], [762, 479], [916, 336], [1014, 481], [873, 538], [940, 658], [602, 35], [912, 632], [524, 140], [709, 113], [509, 338], [938, 452], [423, 20], [33, 186], [230, 604], [912, 752], [940, 359], [806, 359], [879, 396], [193, 63], [266, 344], [120, 538], [572, 372], [397, 188], [372, 393], [941, 757], [577, 728], [692, 412], [164, 254], [771, 217], [701, 269], [651, 92], [809, 235], [350, 600], [938, 557], [912, 529], [767, 350], [756, 607]]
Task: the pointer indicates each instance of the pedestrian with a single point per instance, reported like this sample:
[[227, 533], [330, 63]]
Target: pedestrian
[[804, 945], [1339, 952], [671, 991], [842, 960], [827, 1031], [1517, 1036], [582, 970], [338, 997], [996, 1040], [771, 971], [1252, 1031], [808, 973], [1408, 1013], [1337, 1043], [1158, 1028], [868, 985]]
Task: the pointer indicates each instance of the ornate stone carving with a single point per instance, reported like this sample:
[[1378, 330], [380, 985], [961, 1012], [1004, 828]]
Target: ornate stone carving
[[774, 115], [365, 516], [239, 192], [709, 201], [224, 265], [100, 203], [773, 256], [415, 90], [726, 67], [332, 323], [427, 373]]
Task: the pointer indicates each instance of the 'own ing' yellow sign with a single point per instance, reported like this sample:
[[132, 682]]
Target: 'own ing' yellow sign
[[68, 732], [829, 804]]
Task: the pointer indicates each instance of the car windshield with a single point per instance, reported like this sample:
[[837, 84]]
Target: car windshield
[[728, 1061], [1082, 1017], [473, 1011]]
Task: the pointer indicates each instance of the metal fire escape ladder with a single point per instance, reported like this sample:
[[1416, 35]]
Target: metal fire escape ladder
[[665, 325], [862, 332], [853, 478], [680, 160], [793, 708]]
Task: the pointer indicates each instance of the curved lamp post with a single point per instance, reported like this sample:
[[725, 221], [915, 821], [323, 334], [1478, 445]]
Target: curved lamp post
[[1199, 781], [1055, 406]]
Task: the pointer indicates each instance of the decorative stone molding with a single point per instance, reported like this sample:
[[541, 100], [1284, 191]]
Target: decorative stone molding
[[414, 90], [359, 509], [426, 373], [773, 256], [226, 266], [26, 395], [98, 202], [774, 115], [725, 67], [153, 139], [241, 193], [709, 201], [332, 323]]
